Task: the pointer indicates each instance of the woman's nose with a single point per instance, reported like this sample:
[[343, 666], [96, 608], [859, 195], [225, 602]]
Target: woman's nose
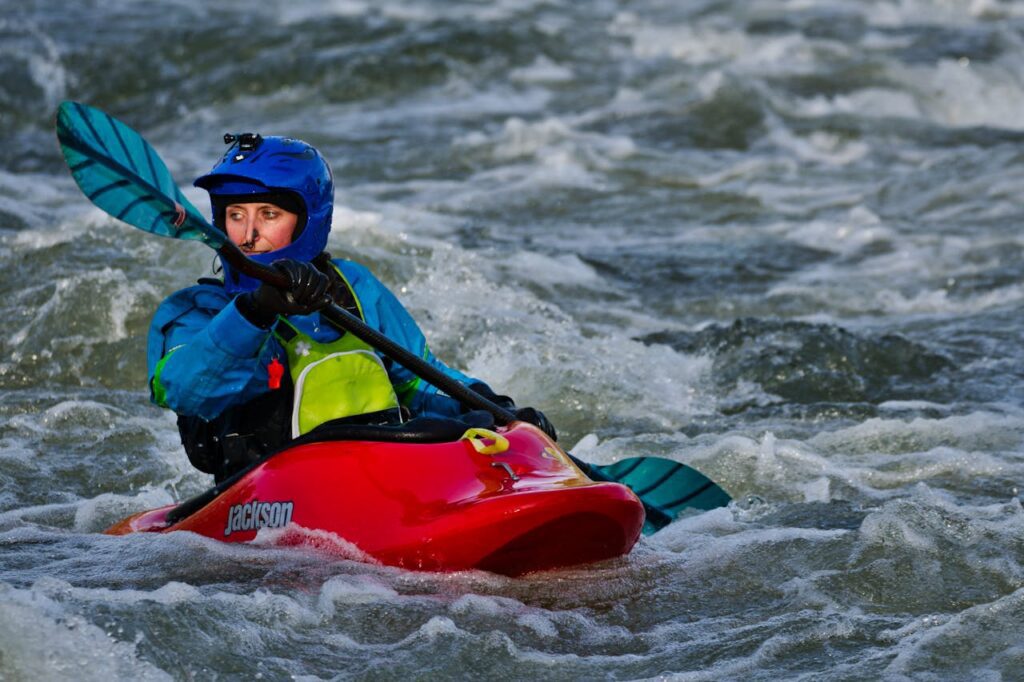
[[251, 231]]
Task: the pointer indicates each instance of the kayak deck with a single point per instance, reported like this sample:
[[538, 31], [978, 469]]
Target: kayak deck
[[507, 501]]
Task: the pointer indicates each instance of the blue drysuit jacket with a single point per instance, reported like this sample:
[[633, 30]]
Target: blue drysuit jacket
[[204, 357]]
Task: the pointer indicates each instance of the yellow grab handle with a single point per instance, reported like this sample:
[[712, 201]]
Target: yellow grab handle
[[479, 438]]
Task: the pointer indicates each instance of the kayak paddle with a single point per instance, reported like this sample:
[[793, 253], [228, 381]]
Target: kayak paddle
[[123, 175]]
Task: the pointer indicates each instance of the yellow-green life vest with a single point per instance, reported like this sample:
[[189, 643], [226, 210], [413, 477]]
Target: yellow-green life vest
[[333, 380]]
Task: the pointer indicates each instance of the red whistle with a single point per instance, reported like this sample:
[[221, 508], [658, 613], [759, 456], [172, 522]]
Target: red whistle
[[274, 372]]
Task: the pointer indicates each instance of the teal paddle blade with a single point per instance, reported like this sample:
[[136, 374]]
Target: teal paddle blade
[[122, 174], [667, 486]]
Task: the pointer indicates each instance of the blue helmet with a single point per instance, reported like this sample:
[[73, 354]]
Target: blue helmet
[[281, 170]]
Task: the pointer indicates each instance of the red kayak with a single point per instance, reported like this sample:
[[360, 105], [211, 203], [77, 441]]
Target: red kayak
[[506, 500]]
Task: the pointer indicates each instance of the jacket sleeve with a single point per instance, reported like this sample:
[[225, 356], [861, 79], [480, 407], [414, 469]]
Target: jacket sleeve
[[382, 310], [203, 356]]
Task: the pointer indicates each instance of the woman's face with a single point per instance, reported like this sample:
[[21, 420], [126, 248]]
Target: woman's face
[[260, 227]]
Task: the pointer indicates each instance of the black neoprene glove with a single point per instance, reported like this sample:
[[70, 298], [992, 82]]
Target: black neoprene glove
[[306, 293], [537, 418], [525, 414]]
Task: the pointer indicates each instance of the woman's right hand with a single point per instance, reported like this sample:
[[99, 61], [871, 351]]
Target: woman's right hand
[[305, 293]]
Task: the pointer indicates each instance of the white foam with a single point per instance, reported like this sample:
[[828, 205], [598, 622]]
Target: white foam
[[781, 467], [562, 269], [355, 589], [875, 460], [712, 523], [976, 432], [992, 629], [476, 604], [778, 643], [532, 350], [52, 514], [438, 627], [888, 529], [818, 490], [873, 102], [641, 384], [714, 460], [539, 625], [913, 406], [271, 609], [87, 414], [102, 511], [409, 10], [955, 93], [819, 146], [345, 218], [744, 170], [915, 277], [107, 293], [31, 198], [891, 456], [314, 539], [42, 60], [900, 13], [459, 100], [966, 94], [921, 529], [859, 228], [721, 50], [42, 639], [392, 232], [884, 40], [560, 154], [542, 70], [80, 221], [996, 9], [697, 45], [172, 593]]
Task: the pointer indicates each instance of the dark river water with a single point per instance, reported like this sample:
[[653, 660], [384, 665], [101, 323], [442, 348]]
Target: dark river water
[[779, 241]]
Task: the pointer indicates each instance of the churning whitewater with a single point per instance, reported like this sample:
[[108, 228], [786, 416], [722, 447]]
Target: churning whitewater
[[777, 241]]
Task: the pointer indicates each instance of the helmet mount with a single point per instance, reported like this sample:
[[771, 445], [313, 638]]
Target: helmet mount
[[246, 141]]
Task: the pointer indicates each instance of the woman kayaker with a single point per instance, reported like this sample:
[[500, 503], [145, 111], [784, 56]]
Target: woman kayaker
[[247, 366]]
